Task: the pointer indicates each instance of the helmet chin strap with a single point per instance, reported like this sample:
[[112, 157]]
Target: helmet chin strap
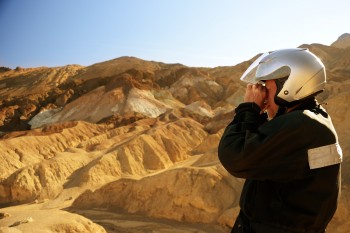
[[282, 103]]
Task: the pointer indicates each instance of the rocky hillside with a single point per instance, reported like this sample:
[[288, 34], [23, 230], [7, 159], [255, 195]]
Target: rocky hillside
[[343, 41], [134, 141]]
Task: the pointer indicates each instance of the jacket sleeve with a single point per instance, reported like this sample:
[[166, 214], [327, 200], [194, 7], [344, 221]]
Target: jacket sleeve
[[253, 148]]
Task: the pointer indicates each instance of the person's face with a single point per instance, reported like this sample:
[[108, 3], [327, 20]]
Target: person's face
[[271, 89]]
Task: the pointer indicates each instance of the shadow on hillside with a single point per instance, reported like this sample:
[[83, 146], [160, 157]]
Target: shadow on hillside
[[130, 223]]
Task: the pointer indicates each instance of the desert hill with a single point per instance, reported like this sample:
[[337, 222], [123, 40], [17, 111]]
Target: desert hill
[[129, 145], [342, 42]]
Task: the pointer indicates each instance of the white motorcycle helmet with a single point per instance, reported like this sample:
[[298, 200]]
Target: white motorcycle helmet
[[298, 74]]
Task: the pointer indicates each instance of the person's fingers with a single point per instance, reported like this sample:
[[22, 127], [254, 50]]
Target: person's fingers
[[259, 86], [255, 93]]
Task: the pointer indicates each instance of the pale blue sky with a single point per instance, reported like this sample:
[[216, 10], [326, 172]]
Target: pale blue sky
[[205, 33]]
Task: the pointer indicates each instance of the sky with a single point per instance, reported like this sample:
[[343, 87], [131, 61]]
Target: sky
[[197, 33]]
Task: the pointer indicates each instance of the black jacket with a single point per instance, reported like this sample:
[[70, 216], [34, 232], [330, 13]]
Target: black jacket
[[291, 165]]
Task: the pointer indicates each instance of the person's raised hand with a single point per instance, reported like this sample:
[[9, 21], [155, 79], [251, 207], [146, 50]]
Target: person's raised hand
[[256, 93]]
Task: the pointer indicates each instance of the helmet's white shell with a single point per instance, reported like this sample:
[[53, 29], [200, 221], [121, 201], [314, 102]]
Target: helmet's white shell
[[305, 71]]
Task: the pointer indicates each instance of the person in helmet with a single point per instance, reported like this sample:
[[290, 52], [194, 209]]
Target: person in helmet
[[290, 157]]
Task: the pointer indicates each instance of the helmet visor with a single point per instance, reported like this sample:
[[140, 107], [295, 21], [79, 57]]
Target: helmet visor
[[249, 76]]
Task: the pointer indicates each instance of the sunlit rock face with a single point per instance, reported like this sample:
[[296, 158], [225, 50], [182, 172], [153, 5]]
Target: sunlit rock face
[[342, 42], [129, 136]]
